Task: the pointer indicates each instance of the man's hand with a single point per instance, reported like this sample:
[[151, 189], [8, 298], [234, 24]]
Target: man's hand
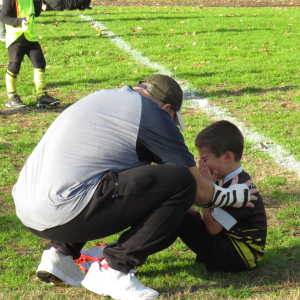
[[252, 191], [237, 195]]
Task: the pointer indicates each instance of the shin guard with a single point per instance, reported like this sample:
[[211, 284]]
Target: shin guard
[[11, 83], [40, 82]]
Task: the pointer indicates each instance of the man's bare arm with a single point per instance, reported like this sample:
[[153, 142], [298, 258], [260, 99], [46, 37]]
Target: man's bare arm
[[209, 194]]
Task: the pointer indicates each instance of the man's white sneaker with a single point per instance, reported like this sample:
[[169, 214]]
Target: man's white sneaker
[[59, 269], [118, 285]]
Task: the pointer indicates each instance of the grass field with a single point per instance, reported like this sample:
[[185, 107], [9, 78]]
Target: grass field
[[245, 61]]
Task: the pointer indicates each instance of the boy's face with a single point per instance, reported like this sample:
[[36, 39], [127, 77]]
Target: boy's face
[[214, 163]]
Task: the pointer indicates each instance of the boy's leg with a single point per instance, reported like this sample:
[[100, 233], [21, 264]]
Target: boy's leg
[[2, 29], [194, 234], [40, 81], [216, 252], [16, 54], [224, 257], [36, 56], [11, 80]]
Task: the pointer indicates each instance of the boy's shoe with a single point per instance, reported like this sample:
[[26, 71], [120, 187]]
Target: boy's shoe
[[46, 100], [15, 102], [58, 268], [103, 280], [2, 39]]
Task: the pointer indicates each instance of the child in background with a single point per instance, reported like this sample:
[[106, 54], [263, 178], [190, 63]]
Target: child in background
[[2, 27], [19, 17], [225, 239], [59, 5]]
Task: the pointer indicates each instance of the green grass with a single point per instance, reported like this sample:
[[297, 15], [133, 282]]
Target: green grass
[[223, 53]]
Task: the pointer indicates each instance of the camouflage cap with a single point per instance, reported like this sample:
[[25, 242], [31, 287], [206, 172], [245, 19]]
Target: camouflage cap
[[168, 91]]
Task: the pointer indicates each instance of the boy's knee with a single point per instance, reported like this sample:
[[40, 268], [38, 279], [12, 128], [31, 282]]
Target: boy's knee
[[40, 65], [14, 67]]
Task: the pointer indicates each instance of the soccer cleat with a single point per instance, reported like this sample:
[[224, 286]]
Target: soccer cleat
[[105, 281], [57, 268], [47, 100], [15, 102], [88, 256]]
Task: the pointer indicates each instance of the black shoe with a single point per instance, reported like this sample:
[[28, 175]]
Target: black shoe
[[47, 100], [15, 102]]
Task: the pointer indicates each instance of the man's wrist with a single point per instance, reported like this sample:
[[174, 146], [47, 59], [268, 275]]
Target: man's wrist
[[236, 196]]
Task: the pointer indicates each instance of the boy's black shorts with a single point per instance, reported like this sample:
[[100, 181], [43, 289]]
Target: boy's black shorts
[[33, 50]]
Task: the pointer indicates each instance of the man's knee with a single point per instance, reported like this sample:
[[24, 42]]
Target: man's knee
[[183, 182], [185, 177]]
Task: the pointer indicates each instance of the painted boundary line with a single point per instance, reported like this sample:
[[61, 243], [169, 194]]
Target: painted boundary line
[[193, 99]]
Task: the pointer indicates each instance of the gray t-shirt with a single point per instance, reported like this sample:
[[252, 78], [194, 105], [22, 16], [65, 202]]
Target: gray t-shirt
[[115, 130]]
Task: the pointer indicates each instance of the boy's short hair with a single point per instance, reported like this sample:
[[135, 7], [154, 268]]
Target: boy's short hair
[[220, 137]]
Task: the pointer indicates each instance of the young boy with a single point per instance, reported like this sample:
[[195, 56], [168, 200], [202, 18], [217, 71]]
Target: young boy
[[225, 239], [19, 17], [2, 27]]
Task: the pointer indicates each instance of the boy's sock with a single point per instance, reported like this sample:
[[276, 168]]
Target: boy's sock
[[11, 84], [40, 82]]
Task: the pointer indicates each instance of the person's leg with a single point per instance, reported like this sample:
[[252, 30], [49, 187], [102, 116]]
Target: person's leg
[[194, 234], [86, 4], [11, 78], [16, 54], [216, 252], [54, 5], [224, 257], [2, 29], [157, 210], [151, 200], [37, 58]]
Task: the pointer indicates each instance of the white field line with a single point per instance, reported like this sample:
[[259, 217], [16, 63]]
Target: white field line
[[192, 99]]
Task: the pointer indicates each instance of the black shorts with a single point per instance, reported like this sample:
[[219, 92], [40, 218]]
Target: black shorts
[[33, 50]]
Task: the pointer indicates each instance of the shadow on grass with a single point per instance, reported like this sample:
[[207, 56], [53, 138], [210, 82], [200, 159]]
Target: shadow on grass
[[35, 110], [280, 267], [250, 90]]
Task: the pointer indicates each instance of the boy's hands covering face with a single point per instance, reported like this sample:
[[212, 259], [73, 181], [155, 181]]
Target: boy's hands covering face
[[205, 171]]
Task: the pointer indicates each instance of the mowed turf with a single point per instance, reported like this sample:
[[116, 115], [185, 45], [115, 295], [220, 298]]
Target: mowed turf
[[245, 60]]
